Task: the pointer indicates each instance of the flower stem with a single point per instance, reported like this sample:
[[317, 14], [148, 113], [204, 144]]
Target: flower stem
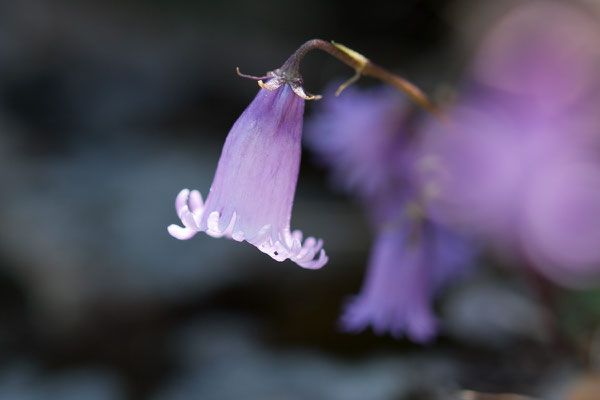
[[362, 66]]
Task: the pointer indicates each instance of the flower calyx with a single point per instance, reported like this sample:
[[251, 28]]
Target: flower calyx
[[281, 76], [292, 78]]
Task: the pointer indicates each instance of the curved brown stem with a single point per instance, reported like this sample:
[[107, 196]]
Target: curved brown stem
[[362, 66]]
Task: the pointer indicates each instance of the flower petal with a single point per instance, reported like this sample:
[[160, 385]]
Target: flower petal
[[180, 233]]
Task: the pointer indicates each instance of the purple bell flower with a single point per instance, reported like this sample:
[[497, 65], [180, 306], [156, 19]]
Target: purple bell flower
[[253, 189], [396, 292], [409, 263], [366, 139]]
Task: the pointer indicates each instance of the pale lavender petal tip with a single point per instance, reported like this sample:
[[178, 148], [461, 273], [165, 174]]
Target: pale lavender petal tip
[[190, 208], [180, 233], [184, 203]]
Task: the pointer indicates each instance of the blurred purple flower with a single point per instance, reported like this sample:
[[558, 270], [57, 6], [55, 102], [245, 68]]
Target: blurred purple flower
[[519, 161], [358, 134], [546, 52], [253, 189], [409, 263], [366, 138], [561, 223]]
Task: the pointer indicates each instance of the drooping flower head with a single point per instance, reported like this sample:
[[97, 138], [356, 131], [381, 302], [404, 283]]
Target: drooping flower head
[[253, 189], [367, 139]]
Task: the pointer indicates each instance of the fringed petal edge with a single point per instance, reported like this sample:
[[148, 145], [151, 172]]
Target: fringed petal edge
[[190, 209]]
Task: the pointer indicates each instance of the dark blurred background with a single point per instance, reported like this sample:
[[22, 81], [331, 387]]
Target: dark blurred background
[[109, 108]]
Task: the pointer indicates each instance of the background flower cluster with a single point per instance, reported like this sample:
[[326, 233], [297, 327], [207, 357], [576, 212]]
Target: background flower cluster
[[513, 165]]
